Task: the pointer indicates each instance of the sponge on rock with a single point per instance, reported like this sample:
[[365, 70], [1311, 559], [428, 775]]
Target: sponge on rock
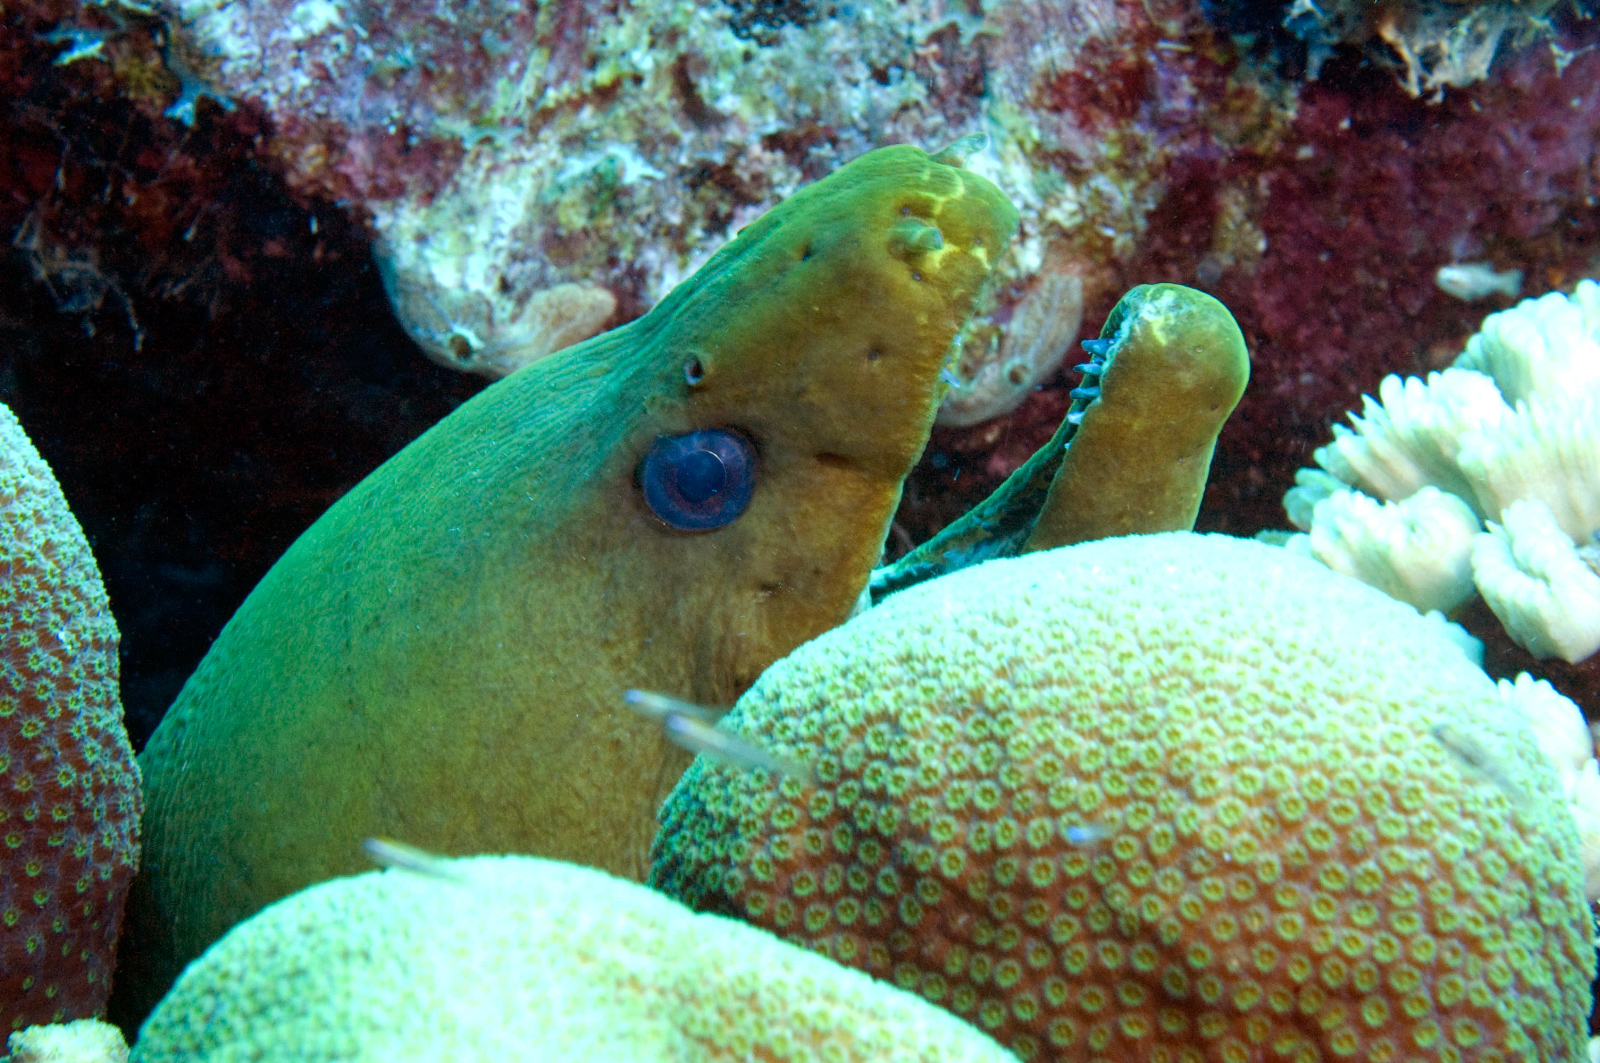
[[497, 958], [1158, 798]]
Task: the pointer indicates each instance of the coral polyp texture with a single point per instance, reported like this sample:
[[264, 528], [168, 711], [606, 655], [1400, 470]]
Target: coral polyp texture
[[69, 788], [1482, 478], [1158, 798], [495, 958]]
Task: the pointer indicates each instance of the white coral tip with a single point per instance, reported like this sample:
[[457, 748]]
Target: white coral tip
[[80, 1041], [1584, 801], [1549, 450], [1418, 550], [1531, 575], [1564, 738], [1409, 439], [1310, 487], [1546, 346], [1555, 721]]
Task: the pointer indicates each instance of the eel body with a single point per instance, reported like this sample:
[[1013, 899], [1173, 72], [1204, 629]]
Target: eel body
[[441, 658]]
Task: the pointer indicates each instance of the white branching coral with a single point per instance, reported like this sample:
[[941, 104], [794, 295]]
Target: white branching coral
[[1486, 476], [1541, 588], [1411, 437], [1418, 550]]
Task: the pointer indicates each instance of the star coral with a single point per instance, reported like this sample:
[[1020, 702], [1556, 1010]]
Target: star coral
[[497, 958], [1151, 797], [70, 807]]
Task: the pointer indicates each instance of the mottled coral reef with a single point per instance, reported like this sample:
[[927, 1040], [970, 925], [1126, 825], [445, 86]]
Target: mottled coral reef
[[1325, 240]]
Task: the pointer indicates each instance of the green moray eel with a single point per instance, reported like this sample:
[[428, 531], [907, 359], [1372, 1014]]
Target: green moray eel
[[441, 658], [1133, 453]]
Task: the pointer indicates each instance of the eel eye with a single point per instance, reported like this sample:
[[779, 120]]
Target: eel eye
[[699, 481]]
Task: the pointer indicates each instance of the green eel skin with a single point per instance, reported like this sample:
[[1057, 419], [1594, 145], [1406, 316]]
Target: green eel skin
[[1177, 367], [1133, 453], [441, 658]]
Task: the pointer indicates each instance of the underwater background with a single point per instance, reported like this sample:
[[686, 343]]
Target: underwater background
[[254, 249], [204, 352]]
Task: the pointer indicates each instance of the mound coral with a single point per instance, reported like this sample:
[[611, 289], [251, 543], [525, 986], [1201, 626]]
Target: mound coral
[[1158, 798], [495, 958], [1489, 476], [69, 789]]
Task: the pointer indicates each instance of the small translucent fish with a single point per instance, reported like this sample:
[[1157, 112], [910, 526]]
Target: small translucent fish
[[386, 852], [1472, 751], [1085, 833], [1471, 281], [958, 153], [693, 728]]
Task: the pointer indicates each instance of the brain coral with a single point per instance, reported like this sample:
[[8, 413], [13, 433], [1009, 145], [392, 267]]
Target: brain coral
[[69, 788], [501, 958], [1162, 798]]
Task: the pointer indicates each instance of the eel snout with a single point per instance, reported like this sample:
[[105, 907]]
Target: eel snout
[[823, 326]]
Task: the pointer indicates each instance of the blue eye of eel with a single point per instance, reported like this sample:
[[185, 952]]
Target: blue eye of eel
[[699, 481]]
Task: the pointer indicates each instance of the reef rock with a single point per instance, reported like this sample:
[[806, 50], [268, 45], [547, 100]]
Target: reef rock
[[534, 179]]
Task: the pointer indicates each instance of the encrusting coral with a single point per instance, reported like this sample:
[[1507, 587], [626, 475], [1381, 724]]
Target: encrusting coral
[[498, 958], [1158, 797], [69, 788], [1489, 479], [672, 506]]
